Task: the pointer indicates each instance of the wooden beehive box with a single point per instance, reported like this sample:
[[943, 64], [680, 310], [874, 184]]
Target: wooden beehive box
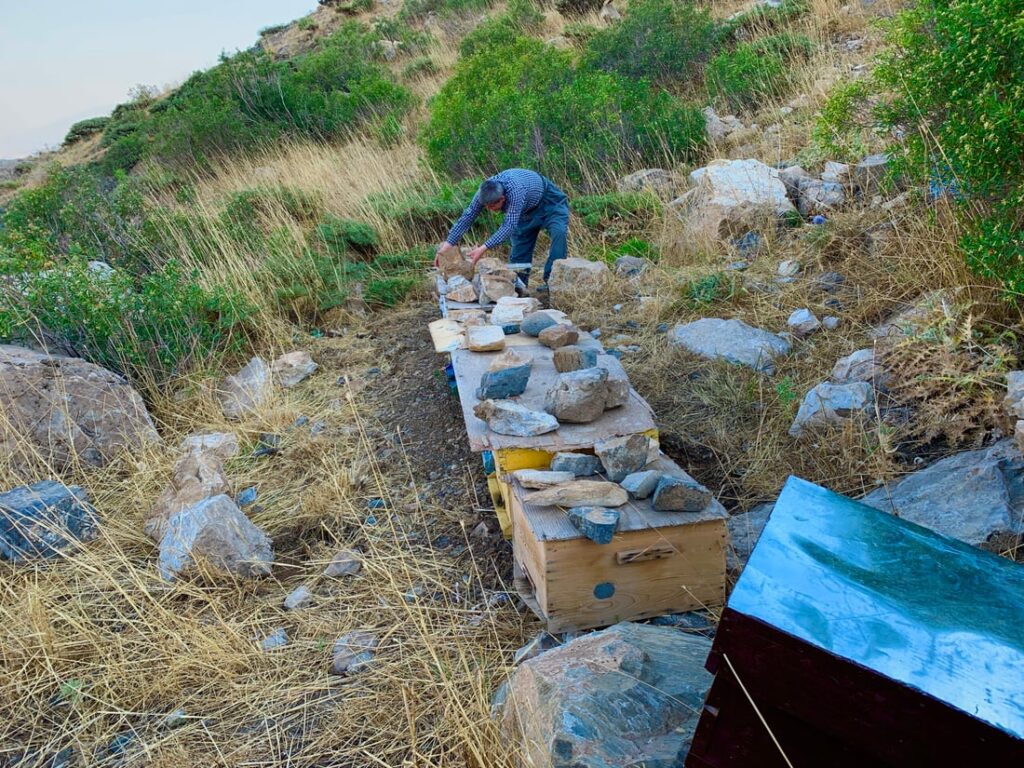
[[658, 563]]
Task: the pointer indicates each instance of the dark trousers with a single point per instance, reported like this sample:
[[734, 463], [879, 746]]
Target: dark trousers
[[551, 214]]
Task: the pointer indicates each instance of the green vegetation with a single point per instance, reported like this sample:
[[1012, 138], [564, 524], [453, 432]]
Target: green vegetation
[[339, 235], [273, 29], [578, 7], [752, 72], [428, 211], [418, 9], [85, 128], [599, 210], [522, 16], [838, 129], [419, 67], [307, 23]]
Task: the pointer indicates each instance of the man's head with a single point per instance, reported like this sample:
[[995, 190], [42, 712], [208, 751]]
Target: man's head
[[492, 195]]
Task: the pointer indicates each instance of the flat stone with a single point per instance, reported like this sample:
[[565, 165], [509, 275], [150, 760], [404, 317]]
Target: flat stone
[[293, 368], [494, 285], [243, 393], [461, 290], [731, 340], [680, 494], [344, 563], [217, 532], [640, 485], [536, 322], [935, 308], [353, 652], [803, 323], [573, 358], [300, 597], [975, 496], [276, 639], [622, 456], [485, 338], [628, 696], [580, 493], [862, 365], [580, 464], [657, 180], [40, 520], [631, 266], [539, 479], [503, 383], [617, 388], [452, 263], [558, 335], [791, 177], [788, 268], [1014, 400], [511, 310], [508, 418], [830, 403], [578, 397], [830, 322], [596, 523]]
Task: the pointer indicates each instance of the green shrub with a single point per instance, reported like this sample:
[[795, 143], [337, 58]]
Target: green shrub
[[428, 211], [838, 129], [389, 291], [526, 104], [273, 29], [352, 7], [579, 33], [338, 235], [745, 76], [85, 128], [521, 16], [124, 153], [597, 211], [307, 23], [660, 40], [418, 9], [578, 7], [253, 207], [641, 249], [419, 67], [763, 17], [150, 329], [413, 40]]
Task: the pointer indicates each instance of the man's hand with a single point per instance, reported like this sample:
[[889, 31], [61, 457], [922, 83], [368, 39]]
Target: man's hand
[[444, 247], [477, 253]]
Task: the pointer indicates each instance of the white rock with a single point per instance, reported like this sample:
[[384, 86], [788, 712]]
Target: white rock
[[243, 393], [830, 403], [300, 597], [803, 323], [510, 310], [485, 338], [292, 368], [730, 340]]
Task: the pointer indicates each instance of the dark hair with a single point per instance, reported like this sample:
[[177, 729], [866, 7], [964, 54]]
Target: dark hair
[[491, 191]]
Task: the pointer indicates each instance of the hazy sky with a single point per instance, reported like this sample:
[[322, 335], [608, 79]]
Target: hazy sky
[[64, 60]]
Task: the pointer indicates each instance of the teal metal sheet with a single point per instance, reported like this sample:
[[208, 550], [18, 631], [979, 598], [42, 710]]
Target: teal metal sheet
[[927, 611]]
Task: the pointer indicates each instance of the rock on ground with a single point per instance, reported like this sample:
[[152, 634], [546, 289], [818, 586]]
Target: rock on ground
[[627, 696], [353, 652], [631, 266], [292, 368], [830, 403], [974, 496], [817, 196], [243, 393], [508, 418], [862, 365], [343, 563], [41, 519], [572, 276], [657, 180], [730, 340], [803, 323], [937, 307], [730, 198], [744, 531], [217, 532], [61, 409], [1014, 400], [300, 597]]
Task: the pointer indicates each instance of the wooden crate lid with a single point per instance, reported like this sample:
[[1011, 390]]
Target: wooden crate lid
[[552, 524], [926, 611], [632, 418]]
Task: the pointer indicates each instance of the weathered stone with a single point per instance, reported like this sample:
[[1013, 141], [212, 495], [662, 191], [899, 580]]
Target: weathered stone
[[344, 563], [867, 175], [625, 697], [536, 322], [41, 519], [300, 597], [197, 475], [803, 323], [975, 496], [578, 397], [57, 410], [293, 368], [491, 286], [580, 464], [622, 456], [680, 494], [714, 126], [730, 340], [510, 310], [508, 418], [791, 177], [276, 639], [452, 263], [862, 365], [617, 389], [217, 532], [631, 266], [818, 196], [544, 641], [744, 531], [935, 308], [461, 290], [353, 652], [243, 393], [573, 358], [830, 403], [640, 485], [580, 493], [503, 383], [596, 523], [1018, 435], [538, 479], [828, 282], [732, 197], [571, 276], [830, 322], [485, 338], [1014, 400], [609, 13], [558, 335], [657, 180], [837, 172], [788, 268]]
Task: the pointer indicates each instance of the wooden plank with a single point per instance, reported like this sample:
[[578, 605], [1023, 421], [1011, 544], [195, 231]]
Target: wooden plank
[[631, 418]]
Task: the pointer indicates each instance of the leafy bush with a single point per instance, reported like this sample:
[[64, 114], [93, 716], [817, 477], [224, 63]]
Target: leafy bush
[[418, 9], [389, 291], [338, 235], [521, 16], [660, 40], [307, 23], [427, 211], [746, 75], [85, 128], [596, 211], [420, 66], [273, 29], [837, 130], [578, 7], [353, 7], [252, 206], [526, 104], [579, 33], [150, 329]]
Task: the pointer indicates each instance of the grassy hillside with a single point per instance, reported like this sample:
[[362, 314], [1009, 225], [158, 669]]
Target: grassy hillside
[[291, 197]]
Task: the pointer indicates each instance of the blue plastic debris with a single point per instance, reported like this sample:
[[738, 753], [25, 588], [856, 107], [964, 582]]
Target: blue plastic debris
[[819, 219], [488, 459], [376, 504], [662, 328], [246, 497]]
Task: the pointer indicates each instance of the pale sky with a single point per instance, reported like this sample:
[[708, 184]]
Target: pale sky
[[64, 60]]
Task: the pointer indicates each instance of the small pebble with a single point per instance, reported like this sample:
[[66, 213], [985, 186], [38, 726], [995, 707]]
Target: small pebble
[[376, 504], [246, 497], [300, 597], [276, 639]]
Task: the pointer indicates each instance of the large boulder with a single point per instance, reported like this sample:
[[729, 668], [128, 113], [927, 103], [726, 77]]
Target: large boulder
[[216, 532], [41, 519], [243, 393], [571, 276], [625, 697], [730, 340], [975, 496], [63, 409], [197, 475], [730, 198]]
